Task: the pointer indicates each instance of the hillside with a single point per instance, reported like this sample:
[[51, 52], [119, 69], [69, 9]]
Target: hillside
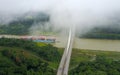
[[38, 23], [94, 62], [103, 32], [20, 57], [22, 24]]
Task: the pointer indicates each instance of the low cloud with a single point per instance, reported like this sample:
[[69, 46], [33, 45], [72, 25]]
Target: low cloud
[[64, 13]]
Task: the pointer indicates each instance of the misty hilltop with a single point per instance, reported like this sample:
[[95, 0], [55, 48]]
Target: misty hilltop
[[33, 23], [31, 15], [20, 25], [35, 16]]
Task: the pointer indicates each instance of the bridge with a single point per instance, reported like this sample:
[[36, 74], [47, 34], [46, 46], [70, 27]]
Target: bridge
[[65, 61]]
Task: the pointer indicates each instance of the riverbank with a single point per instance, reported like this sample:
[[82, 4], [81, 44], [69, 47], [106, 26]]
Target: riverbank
[[91, 44]]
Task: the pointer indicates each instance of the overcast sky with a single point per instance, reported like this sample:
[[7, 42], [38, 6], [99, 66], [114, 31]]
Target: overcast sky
[[25, 5], [65, 11]]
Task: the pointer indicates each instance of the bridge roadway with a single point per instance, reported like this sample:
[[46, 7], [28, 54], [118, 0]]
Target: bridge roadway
[[65, 61]]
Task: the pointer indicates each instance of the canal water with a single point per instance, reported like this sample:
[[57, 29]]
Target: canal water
[[91, 44]]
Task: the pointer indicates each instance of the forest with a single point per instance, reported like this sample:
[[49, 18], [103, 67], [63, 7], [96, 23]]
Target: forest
[[103, 32], [101, 66], [22, 24], [21, 57]]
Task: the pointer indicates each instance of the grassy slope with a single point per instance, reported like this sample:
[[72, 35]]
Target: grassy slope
[[27, 54], [79, 55]]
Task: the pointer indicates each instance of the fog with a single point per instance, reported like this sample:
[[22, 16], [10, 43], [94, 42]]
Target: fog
[[65, 13]]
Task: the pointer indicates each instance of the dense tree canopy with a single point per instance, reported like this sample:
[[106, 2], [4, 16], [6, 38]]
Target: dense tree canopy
[[103, 32], [22, 57], [100, 66], [22, 24]]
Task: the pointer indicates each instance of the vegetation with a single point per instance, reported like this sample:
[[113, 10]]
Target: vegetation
[[101, 36], [21, 57], [86, 62], [101, 66], [16, 27], [105, 32], [21, 25]]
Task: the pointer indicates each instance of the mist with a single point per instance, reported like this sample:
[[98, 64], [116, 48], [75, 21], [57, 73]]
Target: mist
[[84, 14]]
